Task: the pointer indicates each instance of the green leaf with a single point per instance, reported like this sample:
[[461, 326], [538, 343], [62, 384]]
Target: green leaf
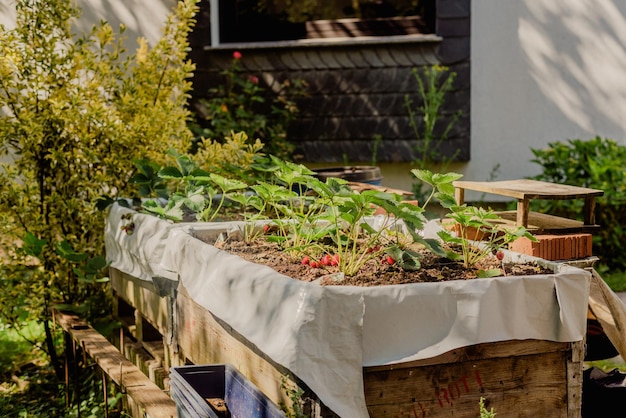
[[171, 211], [170, 173], [485, 274], [96, 264], [227, 184], [65, 250], [32, 245], [405, 258]]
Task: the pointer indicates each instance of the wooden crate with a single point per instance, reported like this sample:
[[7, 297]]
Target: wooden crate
[[517, 378]]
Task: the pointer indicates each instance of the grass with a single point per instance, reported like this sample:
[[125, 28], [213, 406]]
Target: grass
[[28, 388], [15, 350], [616, 280], [608, 364]]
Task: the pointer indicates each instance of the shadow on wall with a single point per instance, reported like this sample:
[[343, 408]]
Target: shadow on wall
[[144, 18], [7, 13], [576, 52]]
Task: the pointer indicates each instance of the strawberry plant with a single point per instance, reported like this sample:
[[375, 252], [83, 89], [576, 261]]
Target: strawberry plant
[[471, 224], [476, 223], [328, 225]]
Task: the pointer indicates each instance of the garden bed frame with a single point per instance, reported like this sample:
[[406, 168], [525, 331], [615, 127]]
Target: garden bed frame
[[517, 378]]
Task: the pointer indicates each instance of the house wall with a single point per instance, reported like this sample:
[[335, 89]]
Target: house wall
[[357, 88], [141, 17], [543, 72]]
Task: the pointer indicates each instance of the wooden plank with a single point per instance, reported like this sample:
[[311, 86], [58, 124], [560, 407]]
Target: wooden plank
[[518, 378], [575, 380], [143, 296], [523, 208], [529, 189], [203, 339], [483, 351], [609, 310], [541, 222], [145, 394], [518, 386], [359, 187]]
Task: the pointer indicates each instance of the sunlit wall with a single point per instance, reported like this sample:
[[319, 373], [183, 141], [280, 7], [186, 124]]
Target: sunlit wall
[[543, 71]]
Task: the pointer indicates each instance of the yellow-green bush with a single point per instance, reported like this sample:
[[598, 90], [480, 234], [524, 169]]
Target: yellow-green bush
[[75, 111]]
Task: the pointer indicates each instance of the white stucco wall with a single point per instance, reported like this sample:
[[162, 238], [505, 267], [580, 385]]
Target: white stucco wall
[[543, 71], [141, 17]]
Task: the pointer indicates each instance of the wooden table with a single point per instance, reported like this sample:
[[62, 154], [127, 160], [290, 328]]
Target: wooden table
[[525, 191]]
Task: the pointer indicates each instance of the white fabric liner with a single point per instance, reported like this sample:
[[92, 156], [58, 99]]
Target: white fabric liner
[[327, 334]]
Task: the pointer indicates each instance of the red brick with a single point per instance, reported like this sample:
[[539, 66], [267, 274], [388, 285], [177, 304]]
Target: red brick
[[555, 247]]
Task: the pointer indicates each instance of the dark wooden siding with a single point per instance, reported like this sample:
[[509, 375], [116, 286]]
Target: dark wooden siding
[[357, 86]]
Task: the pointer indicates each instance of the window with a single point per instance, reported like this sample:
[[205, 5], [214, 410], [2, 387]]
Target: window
[[242, 21]]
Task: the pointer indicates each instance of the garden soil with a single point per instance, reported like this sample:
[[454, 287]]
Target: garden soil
[[375, 272]]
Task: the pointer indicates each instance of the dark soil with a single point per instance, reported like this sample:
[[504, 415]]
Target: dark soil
[[375, 272]]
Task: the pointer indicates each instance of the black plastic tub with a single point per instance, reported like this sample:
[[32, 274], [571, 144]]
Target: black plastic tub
[[359, 173]]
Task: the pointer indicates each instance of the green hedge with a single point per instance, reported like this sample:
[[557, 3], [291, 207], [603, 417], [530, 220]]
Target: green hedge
[[599, 163]]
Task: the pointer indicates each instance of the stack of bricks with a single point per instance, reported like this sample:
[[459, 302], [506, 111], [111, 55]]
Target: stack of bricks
[[555, 247]]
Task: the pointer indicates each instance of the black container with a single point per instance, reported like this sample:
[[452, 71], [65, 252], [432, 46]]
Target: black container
[[358, 173], [190, 386]]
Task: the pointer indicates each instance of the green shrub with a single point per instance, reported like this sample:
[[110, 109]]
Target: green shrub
[[241, 103], [75, 111], [599, 164], [434, 84]]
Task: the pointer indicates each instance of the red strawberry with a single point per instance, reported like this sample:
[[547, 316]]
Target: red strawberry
[[314, 264], [335, 260], [500, 255], [305, 260], [266, 228], [326, 260], [389, 259]]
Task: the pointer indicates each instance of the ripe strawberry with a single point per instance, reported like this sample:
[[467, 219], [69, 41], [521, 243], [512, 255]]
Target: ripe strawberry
[[500, 255], [325, 261], [305, 260], [389, 259], [237, 55], [375, 248], [334, 260], [314, 264], [266, 228]]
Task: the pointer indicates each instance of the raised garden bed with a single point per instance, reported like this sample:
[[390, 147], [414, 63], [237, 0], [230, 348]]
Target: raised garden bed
[[363, 351]]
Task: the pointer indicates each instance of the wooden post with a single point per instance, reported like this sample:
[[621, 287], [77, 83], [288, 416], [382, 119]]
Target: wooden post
[[523, 207], [589, 211], [459, 195]]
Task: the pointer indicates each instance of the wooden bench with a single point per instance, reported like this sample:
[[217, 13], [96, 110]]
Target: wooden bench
[[525, 191]]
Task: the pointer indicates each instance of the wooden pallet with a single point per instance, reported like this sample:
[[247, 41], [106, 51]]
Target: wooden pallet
[[144, 397], [519, 379], [544, 376]]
